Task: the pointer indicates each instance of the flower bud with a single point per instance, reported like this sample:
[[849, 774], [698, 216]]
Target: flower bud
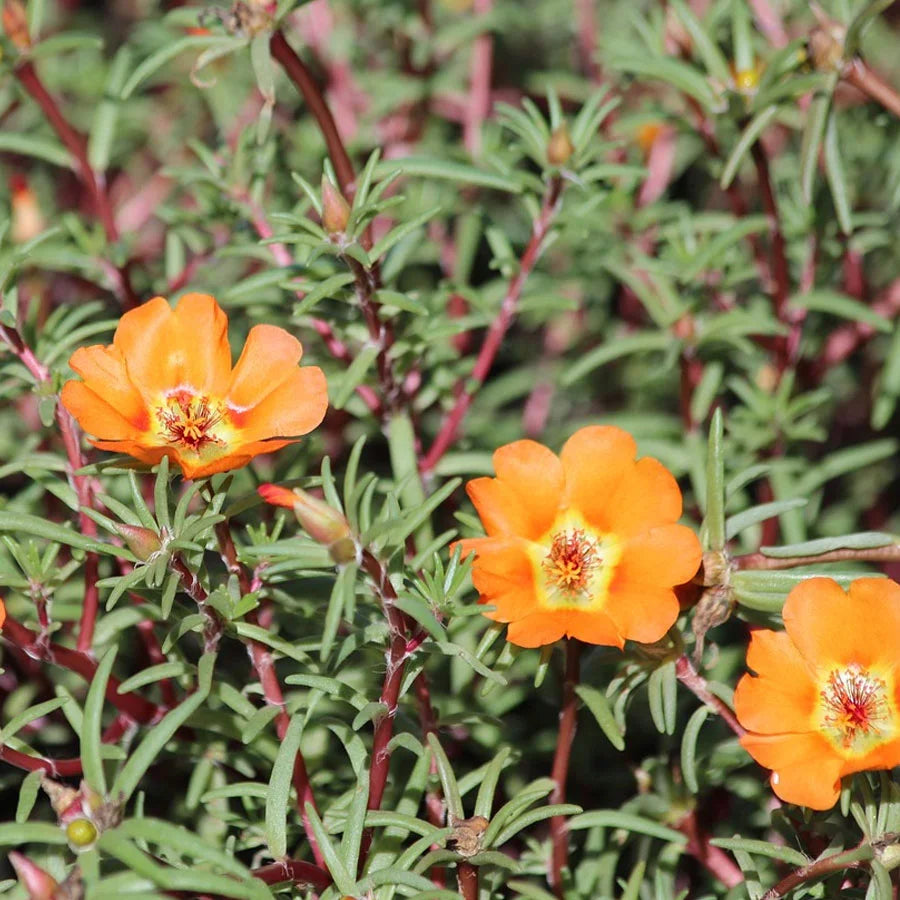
[[826, 46], [560, 147], [318, 519], [335, 209], [15, 24], [27, 219], [144, 543], [38, 884]]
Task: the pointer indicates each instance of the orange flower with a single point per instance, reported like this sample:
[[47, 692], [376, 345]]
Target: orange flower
[[166, 387], [826, 698], [2, 614], [584, 545]]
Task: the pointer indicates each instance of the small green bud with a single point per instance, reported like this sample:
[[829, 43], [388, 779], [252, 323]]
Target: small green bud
[[142, 542]]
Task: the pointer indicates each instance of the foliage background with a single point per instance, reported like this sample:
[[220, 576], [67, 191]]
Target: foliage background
[[726, 239]]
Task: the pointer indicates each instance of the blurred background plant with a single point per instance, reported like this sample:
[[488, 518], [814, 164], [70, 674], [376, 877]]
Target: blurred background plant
[[485, 219]]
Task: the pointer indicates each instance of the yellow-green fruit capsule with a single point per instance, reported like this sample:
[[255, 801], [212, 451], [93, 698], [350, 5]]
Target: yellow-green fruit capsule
[[81, 832]]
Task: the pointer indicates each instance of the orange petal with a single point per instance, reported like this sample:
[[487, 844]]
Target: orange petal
[[139, 450], [95, 415], [648, 495], [295, 407], [277, 495], [193, 466], [146, 338], [875, 603], [534, 474], [641, 612], [784, 696], [537, 630], [805, 770], [2, 614], [595, 459], [885, 756], [831, 628], [268, 359], [502, 512], [504, 577], [104, 372], [594, 628], [203, 355], [666, 555]]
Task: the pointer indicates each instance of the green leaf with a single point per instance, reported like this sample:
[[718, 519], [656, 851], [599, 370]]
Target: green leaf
[[623, 346], [864, 540], [278, 796], [735, 524], [837, 179], [484, 802], [679, 75], [168, 51], [92, 724], [714, 520], [838, 304], [748, 138], [32, 714], [15, 834], [343, 880], [689, 748], [600, 709], [448, 170], [39, 148], [448, 779], [610, 818], [160, 734], [23, 523], [762, 848]]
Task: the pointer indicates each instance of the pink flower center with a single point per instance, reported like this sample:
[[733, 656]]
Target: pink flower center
[[855, 705]]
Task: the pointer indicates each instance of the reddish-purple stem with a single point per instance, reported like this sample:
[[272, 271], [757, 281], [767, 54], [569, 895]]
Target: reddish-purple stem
[[497, 331], [568, 721]]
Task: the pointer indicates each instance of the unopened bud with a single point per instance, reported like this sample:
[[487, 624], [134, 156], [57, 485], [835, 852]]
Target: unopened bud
[[826, 46], [144, 543], [38, 884], [647, 135], [27, 219], [560, 147], [15, 24], [335, 209], [318, 519]]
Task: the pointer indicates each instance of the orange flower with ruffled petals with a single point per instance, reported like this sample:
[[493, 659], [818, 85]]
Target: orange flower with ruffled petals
[[166, 387], [825, 700], [584, 544]]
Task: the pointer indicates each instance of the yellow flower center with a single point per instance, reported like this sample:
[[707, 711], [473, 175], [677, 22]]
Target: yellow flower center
[[572, 560], [574, 564], [191, 420], [855, 710]]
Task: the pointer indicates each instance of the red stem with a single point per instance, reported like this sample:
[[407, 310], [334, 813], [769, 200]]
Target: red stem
[[25, 639], [58, 768], [494, 337], [81, 484], [568, 721], [467, 876], [872, 85], [400, 651], [296, 870], [714, 859], [77, 146], [264, 667], [889, 553], [696, 684], [481, 66], [296, 70]]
